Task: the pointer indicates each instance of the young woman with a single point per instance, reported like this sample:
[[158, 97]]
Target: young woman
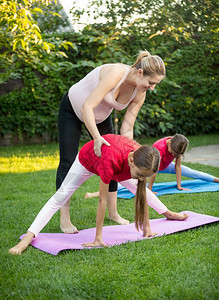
[[91, 101], [171, 148], [123, 160]]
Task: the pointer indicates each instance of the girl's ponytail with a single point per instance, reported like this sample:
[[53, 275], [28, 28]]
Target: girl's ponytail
[[146, 157], [140, 204]]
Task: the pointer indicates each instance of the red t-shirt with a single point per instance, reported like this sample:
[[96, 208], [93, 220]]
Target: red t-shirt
[[165, 156], [113, 164]]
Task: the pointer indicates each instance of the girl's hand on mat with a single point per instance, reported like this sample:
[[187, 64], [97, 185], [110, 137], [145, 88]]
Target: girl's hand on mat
[[98, 143], [95, 244], [180, 188], [147, 232]]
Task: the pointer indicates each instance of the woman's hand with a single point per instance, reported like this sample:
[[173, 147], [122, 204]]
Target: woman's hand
[[98, 143], [94, 244], [147, 232]]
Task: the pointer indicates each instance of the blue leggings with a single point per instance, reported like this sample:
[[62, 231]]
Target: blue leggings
[[188, 172]]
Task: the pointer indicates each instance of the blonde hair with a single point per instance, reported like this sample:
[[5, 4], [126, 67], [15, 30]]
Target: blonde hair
[[150, 64], [179, 144], [146, 157]]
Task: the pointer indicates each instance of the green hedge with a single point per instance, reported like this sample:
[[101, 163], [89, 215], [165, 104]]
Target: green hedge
[[186, 101]]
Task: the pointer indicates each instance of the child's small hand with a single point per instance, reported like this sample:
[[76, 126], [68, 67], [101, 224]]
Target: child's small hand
[[147, 232], [95, 244], [180, 188]]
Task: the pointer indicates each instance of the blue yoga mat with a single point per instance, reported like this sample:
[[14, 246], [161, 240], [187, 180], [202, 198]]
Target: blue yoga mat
[[164, 188]]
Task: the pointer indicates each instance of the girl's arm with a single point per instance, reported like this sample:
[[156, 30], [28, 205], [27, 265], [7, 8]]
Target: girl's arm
[[146, 226], [151, 182], [101, 210], [178, 174], [131, 114], [108, 81]]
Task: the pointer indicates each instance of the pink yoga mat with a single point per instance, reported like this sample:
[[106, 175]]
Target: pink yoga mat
[[113, 235]]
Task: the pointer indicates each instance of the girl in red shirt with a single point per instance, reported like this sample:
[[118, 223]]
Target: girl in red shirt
[[124, 159], [174, 147]]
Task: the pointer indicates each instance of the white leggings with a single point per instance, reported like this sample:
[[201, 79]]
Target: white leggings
[[188, 172], [76, 176]]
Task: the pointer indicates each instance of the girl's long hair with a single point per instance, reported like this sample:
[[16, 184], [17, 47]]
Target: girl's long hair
[[150, 64], [146, 157]]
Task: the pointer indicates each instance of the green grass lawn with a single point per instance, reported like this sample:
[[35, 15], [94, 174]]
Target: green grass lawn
[[178, 266]]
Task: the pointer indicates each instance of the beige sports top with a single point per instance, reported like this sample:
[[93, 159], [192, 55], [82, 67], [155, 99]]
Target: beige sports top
[[79, 92]]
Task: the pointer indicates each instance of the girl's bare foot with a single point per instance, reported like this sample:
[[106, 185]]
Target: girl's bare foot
[[116, 218], [18, 249], [23, 244], [216, 179], [91, 195], [170, 215], [67, 227]]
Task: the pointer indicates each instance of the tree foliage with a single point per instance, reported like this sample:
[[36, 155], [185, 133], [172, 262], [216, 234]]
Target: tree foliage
[[21, 39]]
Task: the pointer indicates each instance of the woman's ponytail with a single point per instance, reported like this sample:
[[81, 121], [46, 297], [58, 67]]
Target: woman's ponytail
[[142, 54], [150, 64]]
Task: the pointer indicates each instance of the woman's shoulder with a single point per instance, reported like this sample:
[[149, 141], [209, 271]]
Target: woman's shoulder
[[113, 69], [115, 66]]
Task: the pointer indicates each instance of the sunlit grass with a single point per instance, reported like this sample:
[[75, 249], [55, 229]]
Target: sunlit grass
[[29, 158], [28, 163]]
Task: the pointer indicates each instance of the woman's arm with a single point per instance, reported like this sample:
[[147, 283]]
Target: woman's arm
[[108, 81], [131, 115], [101, 210]]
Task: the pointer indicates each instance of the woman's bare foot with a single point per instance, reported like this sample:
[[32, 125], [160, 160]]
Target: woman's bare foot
[[91, 195], [67, 227], [116, 218], [170, 215]]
